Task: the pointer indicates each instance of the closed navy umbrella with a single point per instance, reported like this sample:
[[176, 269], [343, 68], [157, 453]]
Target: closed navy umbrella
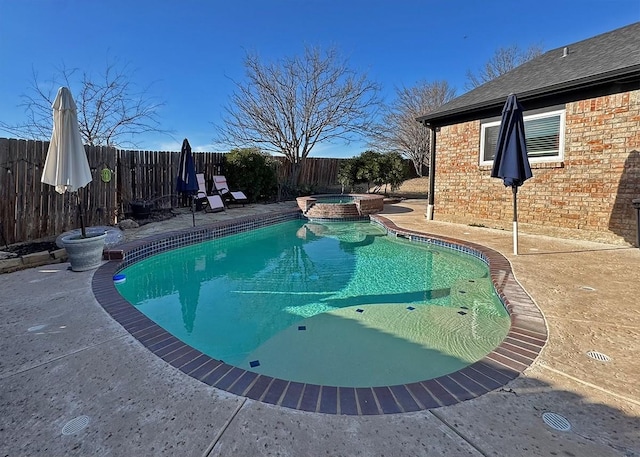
[[186, 182], [511, 162]]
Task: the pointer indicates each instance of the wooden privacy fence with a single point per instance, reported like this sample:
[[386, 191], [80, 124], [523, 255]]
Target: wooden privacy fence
[[151, 175], [30, 210], [320, 173]]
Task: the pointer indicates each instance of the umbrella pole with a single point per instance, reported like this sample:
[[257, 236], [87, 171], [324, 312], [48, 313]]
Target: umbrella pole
[[515, 220], [193, 213], [78, 205]]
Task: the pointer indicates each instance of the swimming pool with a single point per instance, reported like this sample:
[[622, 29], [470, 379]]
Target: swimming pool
[[339, 303], [527, 334]]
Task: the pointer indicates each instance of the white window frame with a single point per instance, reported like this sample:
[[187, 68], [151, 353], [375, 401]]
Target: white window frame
[[555, 158]]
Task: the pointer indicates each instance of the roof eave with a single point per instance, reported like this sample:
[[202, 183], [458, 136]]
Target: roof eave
[[442, 118]]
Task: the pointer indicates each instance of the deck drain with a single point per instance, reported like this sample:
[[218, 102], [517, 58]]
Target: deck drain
[[75, 425], [556, 422], [599, 356]]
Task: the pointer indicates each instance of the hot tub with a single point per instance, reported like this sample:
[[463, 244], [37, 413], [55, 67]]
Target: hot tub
[[340, 206]]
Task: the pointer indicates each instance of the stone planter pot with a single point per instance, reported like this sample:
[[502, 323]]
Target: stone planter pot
[[84, 253], [141, 209]]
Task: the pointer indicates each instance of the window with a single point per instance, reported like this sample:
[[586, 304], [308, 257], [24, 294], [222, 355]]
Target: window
[[544, 133]]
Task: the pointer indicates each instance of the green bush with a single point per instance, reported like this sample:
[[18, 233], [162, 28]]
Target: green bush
[[372, 167], [368, 168], [393, 170], [253, 172], [301, 190], [347, 174]]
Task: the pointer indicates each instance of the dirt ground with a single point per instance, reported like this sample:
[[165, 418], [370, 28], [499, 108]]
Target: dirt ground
[[414, 188], [411, 188]]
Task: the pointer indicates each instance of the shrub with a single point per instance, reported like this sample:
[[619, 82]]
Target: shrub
[[372, 167], [253, 172], [347, 174], [393, 170], [368, 168]]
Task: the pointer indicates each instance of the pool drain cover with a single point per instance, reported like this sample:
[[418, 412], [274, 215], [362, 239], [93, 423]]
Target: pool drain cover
[[599, 356], [75, 425], [556, 422]]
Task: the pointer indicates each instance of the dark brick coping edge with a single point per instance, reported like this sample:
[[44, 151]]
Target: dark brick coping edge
[[526, 338]]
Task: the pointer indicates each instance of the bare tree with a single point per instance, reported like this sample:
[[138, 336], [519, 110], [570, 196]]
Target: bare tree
[[504, 60], [399, 131], [289, 106], [109, 107]]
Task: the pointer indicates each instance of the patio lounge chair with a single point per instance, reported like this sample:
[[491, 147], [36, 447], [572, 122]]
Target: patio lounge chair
[[214, 203], [229, 196]]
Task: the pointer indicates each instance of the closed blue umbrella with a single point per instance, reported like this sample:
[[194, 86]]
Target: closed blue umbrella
[[186, 182], [511, 162]]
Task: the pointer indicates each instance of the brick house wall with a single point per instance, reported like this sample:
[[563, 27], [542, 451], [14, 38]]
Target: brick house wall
[[591, 189]]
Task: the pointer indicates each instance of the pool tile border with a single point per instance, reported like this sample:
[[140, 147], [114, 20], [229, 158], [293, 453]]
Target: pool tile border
[[522, 345]]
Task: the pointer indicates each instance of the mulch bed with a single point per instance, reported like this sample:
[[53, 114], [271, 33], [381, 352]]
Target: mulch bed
[[156, 216], [30, 247]]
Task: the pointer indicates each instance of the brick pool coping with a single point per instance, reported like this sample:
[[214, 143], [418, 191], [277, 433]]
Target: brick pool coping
[[523, 343]]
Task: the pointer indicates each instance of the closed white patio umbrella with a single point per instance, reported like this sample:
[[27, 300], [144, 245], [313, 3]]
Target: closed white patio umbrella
[[66, 166]]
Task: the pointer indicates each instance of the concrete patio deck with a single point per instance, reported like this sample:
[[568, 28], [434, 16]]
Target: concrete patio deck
[[64, 357]]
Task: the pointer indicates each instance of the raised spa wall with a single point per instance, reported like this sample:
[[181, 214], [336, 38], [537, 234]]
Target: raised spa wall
[[362, 206]]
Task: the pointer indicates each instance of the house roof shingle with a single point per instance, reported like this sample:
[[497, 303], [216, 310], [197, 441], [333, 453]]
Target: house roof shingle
[[605, 58]]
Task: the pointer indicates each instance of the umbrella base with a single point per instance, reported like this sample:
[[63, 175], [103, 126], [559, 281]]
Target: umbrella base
[[84, 253]]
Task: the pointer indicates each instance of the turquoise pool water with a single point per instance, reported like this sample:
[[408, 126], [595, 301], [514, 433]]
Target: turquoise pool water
[[336, 303]]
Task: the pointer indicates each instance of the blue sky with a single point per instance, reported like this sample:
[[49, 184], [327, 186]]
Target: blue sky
[[190, 51]]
